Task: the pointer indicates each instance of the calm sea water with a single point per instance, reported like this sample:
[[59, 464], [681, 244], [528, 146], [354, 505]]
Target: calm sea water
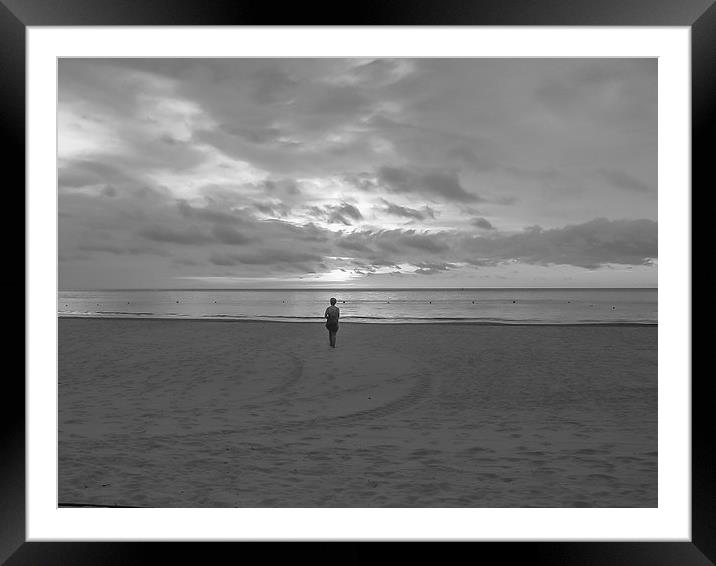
[[524, 306]]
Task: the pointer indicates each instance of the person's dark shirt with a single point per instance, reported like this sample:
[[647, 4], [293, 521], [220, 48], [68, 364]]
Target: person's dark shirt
[[332, 314]]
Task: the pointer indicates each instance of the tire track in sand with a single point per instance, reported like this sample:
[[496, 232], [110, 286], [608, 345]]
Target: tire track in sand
[[294, 377], [419, 393], [286, 383]]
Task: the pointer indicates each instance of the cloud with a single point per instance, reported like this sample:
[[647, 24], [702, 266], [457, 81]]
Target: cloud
[[355, 242], [121, 249], [109, 191], [185, 236], [269, 257], [466, 155], [482, 223], [85, 172], [285, 186], [623, 180], [405, 212], [343, 213], [399, 243], [205, 213], [363, 181], [349, 210], [373, 73], [276, 209], [589, 245], [424, 242], [427, 268], [341, 101], [271, 85], [625, 88], [441, 184], [229, 235]]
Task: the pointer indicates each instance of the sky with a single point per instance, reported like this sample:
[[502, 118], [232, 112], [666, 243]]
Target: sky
[[332, 172]]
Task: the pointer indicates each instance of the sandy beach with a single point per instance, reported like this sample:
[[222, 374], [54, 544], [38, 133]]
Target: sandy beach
[[189, 413]]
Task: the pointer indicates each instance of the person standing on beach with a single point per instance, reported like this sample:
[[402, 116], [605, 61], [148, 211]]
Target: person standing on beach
[[332, 314]]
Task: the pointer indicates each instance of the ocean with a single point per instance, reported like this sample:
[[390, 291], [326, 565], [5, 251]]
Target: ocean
[[486, 306]]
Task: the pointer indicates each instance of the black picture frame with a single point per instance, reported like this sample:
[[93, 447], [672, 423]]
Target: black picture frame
[[17, 15]]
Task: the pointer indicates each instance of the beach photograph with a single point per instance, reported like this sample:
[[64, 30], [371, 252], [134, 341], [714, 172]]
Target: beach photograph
[[357, 283]]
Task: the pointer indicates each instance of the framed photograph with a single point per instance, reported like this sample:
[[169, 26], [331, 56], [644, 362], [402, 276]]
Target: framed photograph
[[421, 275]]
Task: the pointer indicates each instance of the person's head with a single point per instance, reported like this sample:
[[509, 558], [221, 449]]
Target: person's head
[[333, 301]]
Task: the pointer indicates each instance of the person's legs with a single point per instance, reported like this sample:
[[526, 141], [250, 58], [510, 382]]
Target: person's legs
[[332, 338]]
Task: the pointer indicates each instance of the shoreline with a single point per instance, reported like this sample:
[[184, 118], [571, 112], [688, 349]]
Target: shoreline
[[346, 320]]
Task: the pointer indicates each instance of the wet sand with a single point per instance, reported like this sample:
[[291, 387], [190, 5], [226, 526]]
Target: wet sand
[[185, 413]]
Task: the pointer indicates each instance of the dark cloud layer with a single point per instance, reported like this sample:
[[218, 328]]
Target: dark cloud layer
[[279, 260], [169, 234], [482, 223], [406, 212], [436, 184], [589, 245], [625, 181], [229, 235]]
